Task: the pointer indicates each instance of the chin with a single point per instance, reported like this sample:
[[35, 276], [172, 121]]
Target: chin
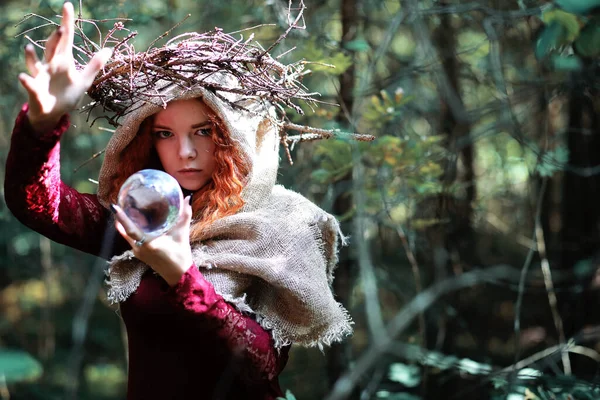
[[193, 187]]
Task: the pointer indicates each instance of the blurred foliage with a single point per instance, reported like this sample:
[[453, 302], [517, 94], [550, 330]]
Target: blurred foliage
[[408, 375], [546, 387], [582, 7], [107, 380], [515, 62], [384, 394], [288, 396], [571, 36], [18, 366], [398, 170]]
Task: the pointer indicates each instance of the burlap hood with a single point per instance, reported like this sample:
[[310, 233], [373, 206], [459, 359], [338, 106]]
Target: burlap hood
[[253, 130], [275, 258]]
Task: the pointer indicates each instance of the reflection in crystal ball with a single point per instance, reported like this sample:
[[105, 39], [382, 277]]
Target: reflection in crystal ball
[[152, 199]]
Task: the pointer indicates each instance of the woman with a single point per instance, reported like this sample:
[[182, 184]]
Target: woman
[[212, 306]]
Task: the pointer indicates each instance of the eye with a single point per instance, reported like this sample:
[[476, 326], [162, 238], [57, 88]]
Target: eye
[[204, 131], [162, 134]]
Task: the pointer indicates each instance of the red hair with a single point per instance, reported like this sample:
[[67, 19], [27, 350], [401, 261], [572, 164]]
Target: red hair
[[222, 195], [218, 198]]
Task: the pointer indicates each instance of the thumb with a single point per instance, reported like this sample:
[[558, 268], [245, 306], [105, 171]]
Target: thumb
[[29, 84], [186, 213], [185, 218], [95, 65]]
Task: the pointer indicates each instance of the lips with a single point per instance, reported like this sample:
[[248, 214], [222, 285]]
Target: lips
[[189, 170]]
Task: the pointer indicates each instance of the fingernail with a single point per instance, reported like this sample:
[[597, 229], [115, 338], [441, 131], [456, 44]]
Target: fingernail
[[188, 200], [113, 208]]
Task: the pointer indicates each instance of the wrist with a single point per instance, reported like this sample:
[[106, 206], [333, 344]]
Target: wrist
[[173, 274], [43, 123]]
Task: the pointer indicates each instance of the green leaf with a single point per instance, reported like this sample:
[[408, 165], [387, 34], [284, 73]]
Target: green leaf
[[288, 396], [408, 375], [567, 20], [561, 154], [581, 7], [384, 394], [358, 45], [19, 366], [552, 161], [566, 63], [552, 37], [583, 269], [588, 42]]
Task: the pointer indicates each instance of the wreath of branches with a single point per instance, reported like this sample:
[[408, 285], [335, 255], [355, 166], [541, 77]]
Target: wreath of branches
[[189, 60]]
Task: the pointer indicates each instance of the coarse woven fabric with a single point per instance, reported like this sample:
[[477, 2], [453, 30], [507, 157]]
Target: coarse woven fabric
[[275, 257]]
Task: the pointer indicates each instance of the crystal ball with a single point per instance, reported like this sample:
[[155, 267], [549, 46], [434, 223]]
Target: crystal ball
[[152, 199]]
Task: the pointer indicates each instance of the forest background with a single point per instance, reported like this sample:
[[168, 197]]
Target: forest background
[[473, 217]]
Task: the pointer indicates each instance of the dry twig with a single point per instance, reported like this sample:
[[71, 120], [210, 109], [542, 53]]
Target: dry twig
[[131, 78]]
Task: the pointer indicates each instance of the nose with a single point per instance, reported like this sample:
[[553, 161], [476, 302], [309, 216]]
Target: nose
[[187, 148]]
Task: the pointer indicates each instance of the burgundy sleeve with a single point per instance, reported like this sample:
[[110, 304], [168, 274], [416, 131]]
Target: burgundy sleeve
[[244, 337], [38, 198]]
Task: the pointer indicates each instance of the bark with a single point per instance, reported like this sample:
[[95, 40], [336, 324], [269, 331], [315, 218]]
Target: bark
[[450, 241], [340, 354], [581, 214], [580, 233], [460, 164], [450, 247]]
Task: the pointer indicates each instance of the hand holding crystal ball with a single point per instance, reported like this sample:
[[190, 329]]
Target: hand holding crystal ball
[[152, 199]]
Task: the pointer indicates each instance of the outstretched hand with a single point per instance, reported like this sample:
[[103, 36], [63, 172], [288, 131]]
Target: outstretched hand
[[54, 85], [170, 255]]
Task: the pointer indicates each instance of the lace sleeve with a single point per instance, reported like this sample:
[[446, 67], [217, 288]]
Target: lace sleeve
[[244, 337], [39, 199]]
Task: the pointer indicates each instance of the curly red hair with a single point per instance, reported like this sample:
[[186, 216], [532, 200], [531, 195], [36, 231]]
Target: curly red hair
[[219, 198]]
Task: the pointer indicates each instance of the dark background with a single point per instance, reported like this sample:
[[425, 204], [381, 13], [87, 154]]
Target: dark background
[[473, 218]]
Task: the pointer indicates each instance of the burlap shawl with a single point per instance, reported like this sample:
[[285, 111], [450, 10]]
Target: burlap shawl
[[275, 258]]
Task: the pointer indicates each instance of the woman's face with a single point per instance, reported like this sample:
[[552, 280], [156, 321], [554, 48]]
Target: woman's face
[[182, 138]]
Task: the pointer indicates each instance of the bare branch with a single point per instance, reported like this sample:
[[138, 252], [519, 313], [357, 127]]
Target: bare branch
[[344, 386]]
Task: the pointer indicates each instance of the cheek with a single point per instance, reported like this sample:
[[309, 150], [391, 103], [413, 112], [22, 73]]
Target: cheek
[[163, 151], [211, 154], [206, 149], [210, 163]]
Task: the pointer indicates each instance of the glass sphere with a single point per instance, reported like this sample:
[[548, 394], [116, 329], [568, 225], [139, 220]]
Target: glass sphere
[[152, 199]]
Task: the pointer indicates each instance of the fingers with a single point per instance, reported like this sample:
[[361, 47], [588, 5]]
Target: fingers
[[67, 25], [32, 61], [61, 40], [28, 83], [95, 65], [51, 44], [126, 227], [186, 215]]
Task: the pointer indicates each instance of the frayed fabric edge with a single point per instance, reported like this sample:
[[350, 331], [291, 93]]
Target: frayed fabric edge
[[117, 293], [119, 290], [334, 333]]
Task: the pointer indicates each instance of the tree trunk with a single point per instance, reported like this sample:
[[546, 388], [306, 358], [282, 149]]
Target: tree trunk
[[580, 234], [339, 356], [450, 246]]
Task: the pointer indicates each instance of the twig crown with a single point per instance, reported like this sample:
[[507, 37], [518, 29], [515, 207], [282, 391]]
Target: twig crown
[[191, 58]]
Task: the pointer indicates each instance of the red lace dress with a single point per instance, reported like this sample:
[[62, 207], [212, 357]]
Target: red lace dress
[[185, 341]]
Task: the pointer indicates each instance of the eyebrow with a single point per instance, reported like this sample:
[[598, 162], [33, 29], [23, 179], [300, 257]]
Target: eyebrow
[[195, 126]]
